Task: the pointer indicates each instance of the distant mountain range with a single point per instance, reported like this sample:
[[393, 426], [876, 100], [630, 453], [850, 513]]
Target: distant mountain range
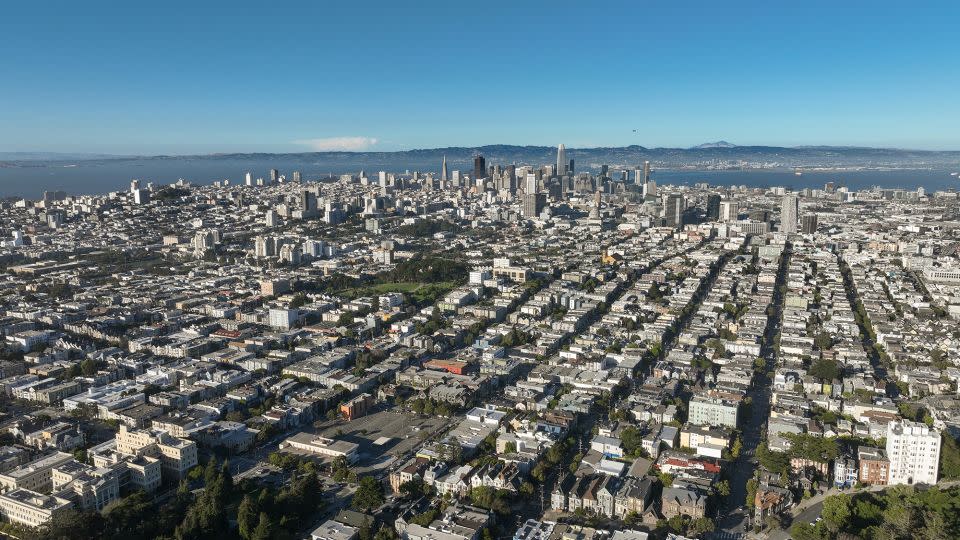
[[720, 154]]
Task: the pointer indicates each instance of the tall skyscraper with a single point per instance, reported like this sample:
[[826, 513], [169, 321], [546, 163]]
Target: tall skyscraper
[[713, 207], [443, 172], [673, 209], [533, 204], [479, 167], [570, 170], [646, 172], [789, 212], [650, 188], [297, 176], [561, 160], [808, 224], [532, 184], [274, 176], [248, 178], [729, 210]]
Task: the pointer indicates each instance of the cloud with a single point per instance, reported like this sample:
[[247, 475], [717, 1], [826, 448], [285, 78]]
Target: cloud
[[339, 144]]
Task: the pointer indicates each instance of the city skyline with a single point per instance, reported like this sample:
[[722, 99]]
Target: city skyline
[[314, 77]]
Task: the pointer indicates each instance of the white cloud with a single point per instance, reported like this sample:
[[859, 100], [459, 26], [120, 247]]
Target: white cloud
[[339, 144]]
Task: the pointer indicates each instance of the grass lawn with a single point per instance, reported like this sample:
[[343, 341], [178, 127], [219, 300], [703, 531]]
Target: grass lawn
[[418, 292]]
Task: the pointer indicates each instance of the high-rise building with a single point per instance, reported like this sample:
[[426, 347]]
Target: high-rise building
[[533, 204], [443, 173], [646, 172], [650, 188], [248, 178], [297, 176], [274, 176], [808, 224], [561, 160], [913, 449], [511, 178], [713, 207], [789, 212], [531, 185], [479, 167], [308, 201], [673, 209], [570, 170], [729, 210]]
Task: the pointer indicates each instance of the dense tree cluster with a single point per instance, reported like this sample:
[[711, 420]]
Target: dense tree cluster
[[899, 513]]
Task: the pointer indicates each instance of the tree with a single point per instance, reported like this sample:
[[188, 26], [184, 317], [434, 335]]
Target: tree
[[666, 479], [836, 512], [247, 517], [264, 529], [369, 495], [723, 488], [949, 456], [413, 488], [701, 526], [632, 440], [805, 531], [751, 492], [825, 370], [385, 533]]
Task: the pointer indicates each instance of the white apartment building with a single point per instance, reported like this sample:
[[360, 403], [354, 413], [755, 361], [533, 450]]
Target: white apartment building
[[711, 411], [913, 449]]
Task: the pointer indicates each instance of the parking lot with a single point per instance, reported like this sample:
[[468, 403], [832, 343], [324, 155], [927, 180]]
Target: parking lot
[[385, 437]]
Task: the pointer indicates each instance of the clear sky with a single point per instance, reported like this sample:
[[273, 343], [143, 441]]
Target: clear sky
[[201, 76]]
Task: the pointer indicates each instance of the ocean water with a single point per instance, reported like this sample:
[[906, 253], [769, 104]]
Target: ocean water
[[104, 176]]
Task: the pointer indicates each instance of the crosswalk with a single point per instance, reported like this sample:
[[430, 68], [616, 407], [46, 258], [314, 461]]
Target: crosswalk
[[724, 535]]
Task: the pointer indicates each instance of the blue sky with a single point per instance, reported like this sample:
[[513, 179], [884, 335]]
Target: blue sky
[[199, 77]]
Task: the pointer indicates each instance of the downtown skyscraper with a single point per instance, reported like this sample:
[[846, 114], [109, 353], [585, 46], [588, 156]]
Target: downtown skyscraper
[[561, 160], [789, 213]]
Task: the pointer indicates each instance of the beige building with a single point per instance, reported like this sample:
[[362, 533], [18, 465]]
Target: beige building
[[30, 508], [177, 456], [36, 475]]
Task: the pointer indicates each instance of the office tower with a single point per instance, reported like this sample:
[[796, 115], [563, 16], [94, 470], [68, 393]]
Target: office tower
[[808, 224], [650, 188], [570, 170], [604, 169], [914, 452], [297, 176], [134, 185], [646, 172], [673, 210], [308, 201], [479, 167], [638, 177], [789, 212], [271, 218], [729, 210], [141, 196], [561, 160], [533, 204], [532, 184], [511, 174], [274, 176], [713, 207], [443, 173], [248, 178]]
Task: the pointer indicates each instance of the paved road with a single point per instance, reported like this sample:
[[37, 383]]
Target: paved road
[[734, 517]]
